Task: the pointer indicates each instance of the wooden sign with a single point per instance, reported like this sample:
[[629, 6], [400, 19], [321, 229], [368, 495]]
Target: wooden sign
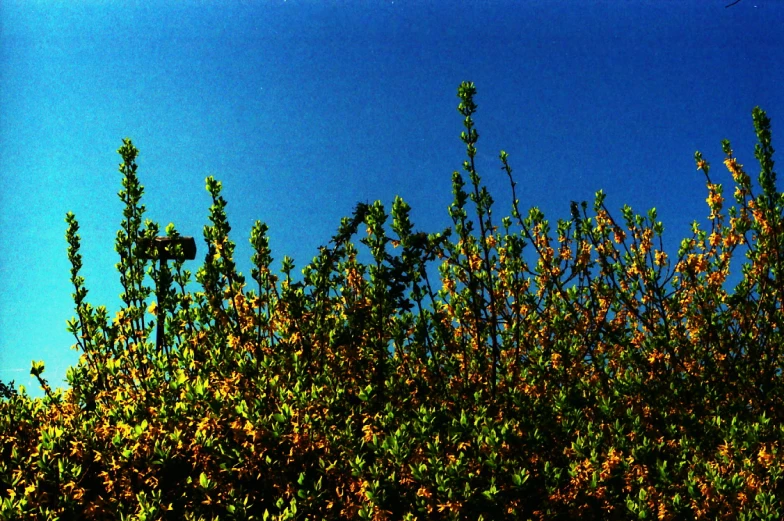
[[162, 248]]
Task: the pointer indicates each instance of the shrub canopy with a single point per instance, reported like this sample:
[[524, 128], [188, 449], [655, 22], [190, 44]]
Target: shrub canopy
[[604, 379]]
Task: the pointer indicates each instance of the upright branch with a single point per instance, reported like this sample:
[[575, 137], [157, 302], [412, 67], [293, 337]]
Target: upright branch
[[133, 330], [483, 203], [266, 283], [219, 275], [79, 327]]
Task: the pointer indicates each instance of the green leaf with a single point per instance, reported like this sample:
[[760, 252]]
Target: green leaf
[[37, 368]]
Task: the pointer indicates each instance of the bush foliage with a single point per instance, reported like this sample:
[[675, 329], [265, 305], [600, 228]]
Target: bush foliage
[[603, 379]]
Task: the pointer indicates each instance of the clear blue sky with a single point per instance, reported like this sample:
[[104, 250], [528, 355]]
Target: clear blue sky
[[304, 108]]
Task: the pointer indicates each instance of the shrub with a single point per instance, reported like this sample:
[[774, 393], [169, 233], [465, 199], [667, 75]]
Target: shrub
[[603, 379]]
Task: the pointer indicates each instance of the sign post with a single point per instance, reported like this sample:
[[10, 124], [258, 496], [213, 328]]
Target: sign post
[[162, 249]]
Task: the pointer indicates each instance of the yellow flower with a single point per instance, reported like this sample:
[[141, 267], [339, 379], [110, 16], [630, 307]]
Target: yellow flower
[[423, 492], [764, 457], [474, 262]]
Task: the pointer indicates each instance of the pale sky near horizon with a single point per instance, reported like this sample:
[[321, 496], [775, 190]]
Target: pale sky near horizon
[[304, 108]]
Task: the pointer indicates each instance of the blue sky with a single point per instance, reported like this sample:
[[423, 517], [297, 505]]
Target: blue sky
[[304, 108]]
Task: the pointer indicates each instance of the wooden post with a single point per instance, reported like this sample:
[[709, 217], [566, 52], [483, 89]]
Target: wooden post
[[162, 250]]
